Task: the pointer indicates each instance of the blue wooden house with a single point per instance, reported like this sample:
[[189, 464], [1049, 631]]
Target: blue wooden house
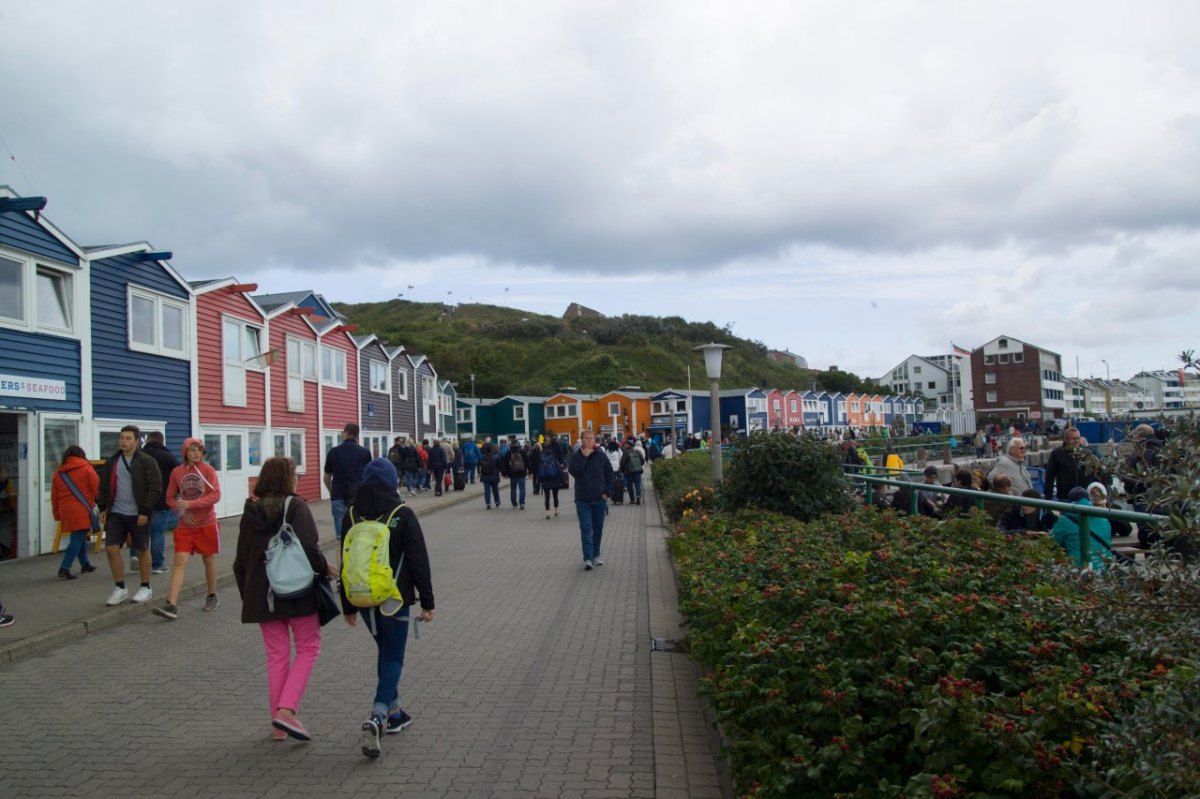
[[732, 410], [447, 405], [670, 416], [756, 410], [142, 325], [44, 332], [813, 419]]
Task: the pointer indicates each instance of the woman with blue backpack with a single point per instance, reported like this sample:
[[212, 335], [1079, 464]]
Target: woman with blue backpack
[[379, 513], [552, 471]]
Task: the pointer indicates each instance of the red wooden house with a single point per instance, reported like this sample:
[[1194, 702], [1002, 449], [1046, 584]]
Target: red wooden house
[[339, 399], [232, 360], [793, 410], [775, 411]]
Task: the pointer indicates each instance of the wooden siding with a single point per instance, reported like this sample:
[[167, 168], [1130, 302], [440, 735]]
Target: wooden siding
[[403, 410], [20, 232], [308, 484], [42, 356], [380, 420], [340, 405], [128, 384], [210, 367], [425, 430]]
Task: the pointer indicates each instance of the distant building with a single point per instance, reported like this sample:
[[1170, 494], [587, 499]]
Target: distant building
[[1101, 398], [1017, 380], [944, 380], [1170, 389], [783, 356], [576, 310]]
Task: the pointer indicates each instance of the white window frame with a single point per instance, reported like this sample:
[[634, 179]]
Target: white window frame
[[466, 415], [160, 302], [989, 378], [288, 449], [145, 426], [375, 386], [991, 396], [402, 385], [233, 372], [31, 269], [335, 375], [614, 409], [518, 413], [297, 372]]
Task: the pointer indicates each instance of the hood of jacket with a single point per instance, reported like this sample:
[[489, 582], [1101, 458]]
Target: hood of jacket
[[187, 442], [73, 464]]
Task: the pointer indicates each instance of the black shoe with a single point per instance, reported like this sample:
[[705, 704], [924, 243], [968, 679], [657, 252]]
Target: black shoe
[[397, 722], [370, 737], [6, 619], [87, 568], [66, 574]]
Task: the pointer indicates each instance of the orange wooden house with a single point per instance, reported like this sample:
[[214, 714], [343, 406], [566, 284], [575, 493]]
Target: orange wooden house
[[622, 413], [568, 415]]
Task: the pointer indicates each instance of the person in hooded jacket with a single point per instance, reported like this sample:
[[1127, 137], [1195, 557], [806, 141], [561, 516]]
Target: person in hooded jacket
[[70, 512], [437, 464], [489, 475], [285, 620], [1066, 533], [379, 499], [192, 491], [471, 456]]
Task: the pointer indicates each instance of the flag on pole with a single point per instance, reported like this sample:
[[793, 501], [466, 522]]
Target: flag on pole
[[265, 359], [957, 350]]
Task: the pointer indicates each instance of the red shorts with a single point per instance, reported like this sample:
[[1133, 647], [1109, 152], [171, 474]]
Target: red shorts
[[198, 540]]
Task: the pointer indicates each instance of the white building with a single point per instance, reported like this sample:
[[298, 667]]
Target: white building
[[944, 380], [1169, 390]]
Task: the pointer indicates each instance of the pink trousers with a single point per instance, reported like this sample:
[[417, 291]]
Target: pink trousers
[[287, 679]]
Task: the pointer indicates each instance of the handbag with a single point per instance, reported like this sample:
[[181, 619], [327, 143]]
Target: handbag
[[328, 608], [93, 515]]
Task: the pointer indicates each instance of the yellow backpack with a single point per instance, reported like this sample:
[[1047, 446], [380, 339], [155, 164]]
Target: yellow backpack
[[367, 576]]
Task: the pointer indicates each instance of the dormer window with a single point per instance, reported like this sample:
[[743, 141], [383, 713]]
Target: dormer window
[[1003, 343]]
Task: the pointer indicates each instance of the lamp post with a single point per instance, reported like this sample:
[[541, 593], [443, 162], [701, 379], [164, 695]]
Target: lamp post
[[712, 365], [1107, 373]]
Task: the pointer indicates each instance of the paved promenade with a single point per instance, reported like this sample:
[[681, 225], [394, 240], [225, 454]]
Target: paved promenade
[[536, 679]]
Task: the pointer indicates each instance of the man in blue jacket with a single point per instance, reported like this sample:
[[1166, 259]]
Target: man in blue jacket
[[593, 486], [470, 453], [344, 467]]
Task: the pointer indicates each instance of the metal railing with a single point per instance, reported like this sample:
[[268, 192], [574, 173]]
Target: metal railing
[[1084, 512]]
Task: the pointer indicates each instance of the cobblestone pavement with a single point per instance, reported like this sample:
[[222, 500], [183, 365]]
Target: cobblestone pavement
[[535, 680]]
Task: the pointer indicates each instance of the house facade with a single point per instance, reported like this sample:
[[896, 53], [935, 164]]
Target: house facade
[[1016, 380], [564, 415], [670, 416], [45, 329], [375, 394]]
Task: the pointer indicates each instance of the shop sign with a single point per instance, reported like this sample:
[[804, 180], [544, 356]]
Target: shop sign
[[32, 387]]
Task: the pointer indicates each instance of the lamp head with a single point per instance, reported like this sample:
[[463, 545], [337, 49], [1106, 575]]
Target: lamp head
[[712, 358]]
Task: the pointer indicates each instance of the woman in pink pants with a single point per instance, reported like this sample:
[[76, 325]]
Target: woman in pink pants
[[285, 620]]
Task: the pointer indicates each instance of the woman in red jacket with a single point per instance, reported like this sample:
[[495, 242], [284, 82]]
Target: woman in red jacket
[[74, 513], [191, 492]]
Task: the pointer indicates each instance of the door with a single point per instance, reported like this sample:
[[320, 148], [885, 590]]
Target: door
[[55, 435], [14, 485], [225, 452], [328, 442]]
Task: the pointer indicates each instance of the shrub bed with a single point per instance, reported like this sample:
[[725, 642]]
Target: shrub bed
[[870, 655], [685, 482]]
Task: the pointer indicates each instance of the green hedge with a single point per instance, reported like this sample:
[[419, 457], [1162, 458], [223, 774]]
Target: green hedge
[[868, 655], [676, 478]]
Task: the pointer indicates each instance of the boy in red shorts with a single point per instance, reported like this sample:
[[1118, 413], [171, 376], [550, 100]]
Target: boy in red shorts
[[191, 493]]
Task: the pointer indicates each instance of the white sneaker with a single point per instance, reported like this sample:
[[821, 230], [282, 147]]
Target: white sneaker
[[118, 596], [587, 565], [143, 593]]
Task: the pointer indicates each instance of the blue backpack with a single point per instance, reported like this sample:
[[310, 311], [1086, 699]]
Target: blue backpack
[[550, 468]]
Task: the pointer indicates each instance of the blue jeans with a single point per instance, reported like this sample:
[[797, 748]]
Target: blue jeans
[[159, 522], [469, 472], [410, 481], [425, 479], [338, 508], [391, 635], [591, 525], [76, 548], [491, 490], [513, 484]]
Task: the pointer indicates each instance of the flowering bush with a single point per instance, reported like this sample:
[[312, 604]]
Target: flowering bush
[[868, 654], [685, 482]]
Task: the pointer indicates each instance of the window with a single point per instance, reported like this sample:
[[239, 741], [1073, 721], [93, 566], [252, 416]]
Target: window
[[1004, 357], [518, 413], [989, 378], [233, 452], [916, 370], [290, 444], [658, 406], [932, 384], [241, 343], [991, 396], [38, 296], [464, 415], [212, 450], [333, 367], [157, 324], [53, 299], [1003, 343], [681, 406], [854, 407], [402, 385], [988, 360], [427, 396], [1018, 357], [614, 409], [255, 453], [793, 406], [295, 383], [379, 377]]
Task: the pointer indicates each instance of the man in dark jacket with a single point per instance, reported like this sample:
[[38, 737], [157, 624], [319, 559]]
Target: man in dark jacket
[[161, 520], [379, 498], [515, 465], [130, 487], [343, 472], [1065, 468], [471, 458], [593, 486], [437, 464]]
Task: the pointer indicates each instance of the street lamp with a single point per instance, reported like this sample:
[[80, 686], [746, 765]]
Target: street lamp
[[1107, 373], [472, 384], [712, 365]]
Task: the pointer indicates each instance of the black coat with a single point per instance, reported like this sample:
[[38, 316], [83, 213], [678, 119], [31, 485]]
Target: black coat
[[260, 521], [1065, 470], [166, 464]]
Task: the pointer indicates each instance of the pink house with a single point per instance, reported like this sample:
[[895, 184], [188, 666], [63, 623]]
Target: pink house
[[793, 410]]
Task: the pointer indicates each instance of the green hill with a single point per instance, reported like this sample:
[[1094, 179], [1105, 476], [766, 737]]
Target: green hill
[[517, 352]]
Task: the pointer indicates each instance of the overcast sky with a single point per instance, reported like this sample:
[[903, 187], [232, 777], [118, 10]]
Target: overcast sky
[[852, 181]]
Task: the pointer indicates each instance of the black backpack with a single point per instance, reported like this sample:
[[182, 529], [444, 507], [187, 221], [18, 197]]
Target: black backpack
[[487, 466], [516, 461]]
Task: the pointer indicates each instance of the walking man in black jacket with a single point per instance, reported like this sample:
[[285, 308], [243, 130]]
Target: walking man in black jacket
[[1065, 468], [593, 486]]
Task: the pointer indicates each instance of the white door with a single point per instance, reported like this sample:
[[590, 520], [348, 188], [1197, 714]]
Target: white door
[[225, 451], [56, 433], [328, 442]]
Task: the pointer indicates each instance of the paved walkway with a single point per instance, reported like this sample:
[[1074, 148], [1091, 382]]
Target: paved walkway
[[536, 679]]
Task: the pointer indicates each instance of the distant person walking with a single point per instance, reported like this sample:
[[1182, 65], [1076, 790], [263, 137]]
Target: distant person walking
[[291, 620], [470, 455], [553, 468], [130, 487], [191, 493], [438, 462], [161, 520], [515, 466], [72, 499], [489, 475], [593, 475]]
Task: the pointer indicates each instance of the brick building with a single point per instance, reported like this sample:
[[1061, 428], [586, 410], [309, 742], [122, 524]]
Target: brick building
[[1016, 380]]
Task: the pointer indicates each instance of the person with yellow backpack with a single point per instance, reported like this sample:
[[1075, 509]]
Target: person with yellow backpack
[[385, 570]]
